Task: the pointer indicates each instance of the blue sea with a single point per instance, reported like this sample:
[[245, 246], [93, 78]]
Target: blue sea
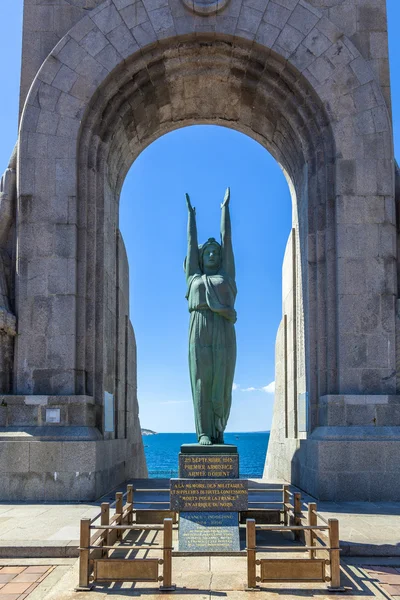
[[162, 451]]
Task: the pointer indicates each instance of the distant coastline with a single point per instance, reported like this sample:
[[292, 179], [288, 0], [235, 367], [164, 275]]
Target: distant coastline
[[148, 432]]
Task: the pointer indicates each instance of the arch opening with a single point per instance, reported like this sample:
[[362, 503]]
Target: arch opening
[[203, 160], [237, 85]]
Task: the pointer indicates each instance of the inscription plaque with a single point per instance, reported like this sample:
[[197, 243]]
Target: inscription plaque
[[218, 495], [209, 466], [53, 415], [209, 532]]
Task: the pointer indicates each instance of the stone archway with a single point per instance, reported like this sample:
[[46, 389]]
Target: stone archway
[[163, 96], [123, 76]]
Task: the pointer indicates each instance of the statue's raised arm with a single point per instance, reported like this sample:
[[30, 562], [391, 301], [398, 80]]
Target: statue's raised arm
[[192, 259], [211, 293], [228, 260]]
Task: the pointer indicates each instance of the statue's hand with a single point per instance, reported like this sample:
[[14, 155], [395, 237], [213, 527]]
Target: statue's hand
[[226, 198], [191, 208]]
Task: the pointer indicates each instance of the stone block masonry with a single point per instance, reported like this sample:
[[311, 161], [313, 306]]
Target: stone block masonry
[[101, 79]]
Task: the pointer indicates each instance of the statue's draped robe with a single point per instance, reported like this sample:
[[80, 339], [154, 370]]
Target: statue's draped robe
[[212, 350]]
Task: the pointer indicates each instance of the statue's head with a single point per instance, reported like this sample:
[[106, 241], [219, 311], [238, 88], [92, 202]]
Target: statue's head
[[210, 256]]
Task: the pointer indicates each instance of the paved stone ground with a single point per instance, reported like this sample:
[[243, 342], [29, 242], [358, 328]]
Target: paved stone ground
[[16, 583], [33, 530], [197, 578], [388, 577], [366, 528], [214, 578]]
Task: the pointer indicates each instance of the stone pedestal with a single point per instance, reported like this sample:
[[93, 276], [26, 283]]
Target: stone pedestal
[[208, 495], [202, 462]]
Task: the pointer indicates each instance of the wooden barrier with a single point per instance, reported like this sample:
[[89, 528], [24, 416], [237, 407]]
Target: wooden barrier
[[277, 511], [95, 564], [335, 553], [84, 554], [273, 514], [280, 511], [129, 500], [291, 511], [251, 553], [286, 509], [149, 516], [95, 570], [105, 520], [330, 543], [319, 538], [286, 504], [312, 521], [297, 513]]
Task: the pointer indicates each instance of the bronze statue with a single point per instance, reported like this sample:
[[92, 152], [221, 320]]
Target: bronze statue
[[211, 293]]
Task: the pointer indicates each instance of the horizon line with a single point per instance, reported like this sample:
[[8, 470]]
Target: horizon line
[[193, 433]]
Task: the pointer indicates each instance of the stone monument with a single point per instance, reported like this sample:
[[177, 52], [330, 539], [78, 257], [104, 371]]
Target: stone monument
[[102, 79], [208, 494]]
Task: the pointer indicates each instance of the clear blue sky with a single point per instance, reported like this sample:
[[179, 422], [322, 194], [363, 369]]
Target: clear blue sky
[[201, 160]]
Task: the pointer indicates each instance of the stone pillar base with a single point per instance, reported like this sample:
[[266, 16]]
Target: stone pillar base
[[34, 470], [68, 461], [354, 455], [344, 464]]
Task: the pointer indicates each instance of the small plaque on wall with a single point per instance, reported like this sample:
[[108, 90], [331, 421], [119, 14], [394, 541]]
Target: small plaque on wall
[[53, 415], [108, 412]]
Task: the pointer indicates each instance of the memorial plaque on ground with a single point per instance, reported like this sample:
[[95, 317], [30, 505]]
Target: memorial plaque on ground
[[219, 495], [208, 532], [209, 466]]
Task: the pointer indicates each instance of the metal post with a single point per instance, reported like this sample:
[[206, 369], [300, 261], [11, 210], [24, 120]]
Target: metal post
[[335, 554], [84, 555], [129, 499], [167, 585], [297, 514], [105, 520], [312, 521], [251, 553], [119, 500], [285, 503]]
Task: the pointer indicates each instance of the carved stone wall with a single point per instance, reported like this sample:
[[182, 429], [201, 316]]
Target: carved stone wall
[[45, 23], [308, 80]]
